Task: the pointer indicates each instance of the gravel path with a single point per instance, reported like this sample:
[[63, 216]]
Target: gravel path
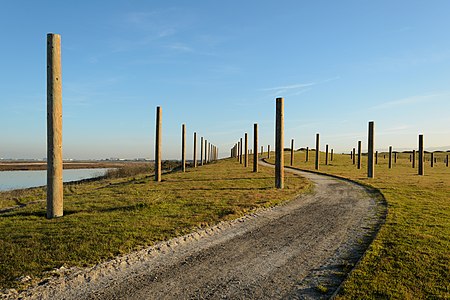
[[300, 250]]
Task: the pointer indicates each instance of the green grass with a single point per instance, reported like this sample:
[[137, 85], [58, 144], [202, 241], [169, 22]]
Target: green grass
[[410, 257], [109, 217]]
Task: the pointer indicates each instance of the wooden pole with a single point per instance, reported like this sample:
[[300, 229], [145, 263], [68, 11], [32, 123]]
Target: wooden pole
[[268, 151], [432, 159], [279, 144], [420, 162], [376, 157], [206, 151], [246, 150], [370, 149], [255, 146], [307, 154], [446, 161], [317, 152], [414, 159], [332, 152], [158, 144], [326, 154], [292, 152], [55, 200], [195, 150], [390, 157], [201, 151], [183, 147], [240, 156], [359, 154]]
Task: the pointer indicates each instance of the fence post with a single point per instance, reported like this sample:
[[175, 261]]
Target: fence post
[[158, 144], [255, 146], [206, 152], [371, 146], [195, 150], [432, 159], [354, 156], [246, 150], [390, 157], [307, 154], [183, 147], [240, 156], [326, 154], [55, 200], [279, 144], [376, 157], [317, 152], [414, 159], [331, 157], [268, 151], [420, 154]]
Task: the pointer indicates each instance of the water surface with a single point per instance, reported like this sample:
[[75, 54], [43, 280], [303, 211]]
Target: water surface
[[11, 180]]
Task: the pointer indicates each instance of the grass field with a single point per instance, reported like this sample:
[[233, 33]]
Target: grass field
[[410, 257], [109, 217]]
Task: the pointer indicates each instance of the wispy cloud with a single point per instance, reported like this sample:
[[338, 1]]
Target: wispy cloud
[[411, 100], [297, 88]]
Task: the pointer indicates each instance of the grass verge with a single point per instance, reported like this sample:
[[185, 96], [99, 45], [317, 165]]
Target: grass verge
[[410, 257], [109, 217]]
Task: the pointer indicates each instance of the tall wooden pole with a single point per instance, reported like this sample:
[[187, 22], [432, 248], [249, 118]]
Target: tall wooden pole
[[432, 159], [54, 128], [279, 144], [413, 158], [241, 155], [246, 150], [331, 155], [371, 146], [326, 154], [316, 166], [201, 151], [183, 147], [195, 150], [420, 162], [354, 156], [307, 154], [268, 151], [390, 157], [255, 146], [359, 154], [206, 151], [158, 144], [376, 157]]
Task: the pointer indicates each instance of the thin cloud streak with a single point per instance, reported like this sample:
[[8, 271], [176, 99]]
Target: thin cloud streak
[[409, 100]]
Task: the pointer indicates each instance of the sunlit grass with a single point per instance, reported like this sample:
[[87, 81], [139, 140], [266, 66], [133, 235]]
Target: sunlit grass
[[410, 257], [109, 217]]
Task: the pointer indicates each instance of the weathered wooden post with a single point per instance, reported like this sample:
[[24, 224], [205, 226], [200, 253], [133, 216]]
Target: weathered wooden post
[[331, 157], [420, 162], [195, 150], [238, 150], [183, 147], [376, 157], [158, 144], [390, 157], [354, 156], [206, 151], [201, 151], [414, 159], [268, 151], [446, 161], [55, 200], [317, 152], [351, 154], [292, 152], [240, 156], [395, 157], [246, 150], [326, 154], [359, 154], [262, 150], [279, 144], [371, 145], [307, 154], [432, 159], [255, 146]]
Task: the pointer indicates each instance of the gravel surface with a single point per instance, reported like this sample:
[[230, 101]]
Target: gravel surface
[[303, 249]]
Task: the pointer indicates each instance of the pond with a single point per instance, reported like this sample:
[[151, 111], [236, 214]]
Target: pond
[[11, 180]]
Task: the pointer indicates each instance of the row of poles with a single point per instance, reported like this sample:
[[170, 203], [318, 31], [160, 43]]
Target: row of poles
[[208, 151]]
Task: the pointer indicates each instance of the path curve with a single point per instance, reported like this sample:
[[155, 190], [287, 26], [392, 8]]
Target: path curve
[[299, 250]]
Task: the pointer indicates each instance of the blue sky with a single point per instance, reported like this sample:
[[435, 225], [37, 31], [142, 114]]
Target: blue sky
[[218, 67]]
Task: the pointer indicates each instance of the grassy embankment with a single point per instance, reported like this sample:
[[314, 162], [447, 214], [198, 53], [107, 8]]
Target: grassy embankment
[[109, 217], [410, 257]]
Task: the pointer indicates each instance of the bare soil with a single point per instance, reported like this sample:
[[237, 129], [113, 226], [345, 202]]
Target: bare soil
[[303, 249]]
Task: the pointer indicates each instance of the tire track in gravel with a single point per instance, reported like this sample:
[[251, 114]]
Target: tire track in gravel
[[300, 250]]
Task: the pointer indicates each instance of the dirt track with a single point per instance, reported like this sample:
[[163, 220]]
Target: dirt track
[[299, 250]]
